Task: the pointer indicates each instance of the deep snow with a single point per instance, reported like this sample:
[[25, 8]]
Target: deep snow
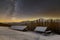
[[8, 34]]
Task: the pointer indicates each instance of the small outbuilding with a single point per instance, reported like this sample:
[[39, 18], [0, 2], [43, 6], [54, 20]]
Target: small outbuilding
[[40, 29], [18, 27]]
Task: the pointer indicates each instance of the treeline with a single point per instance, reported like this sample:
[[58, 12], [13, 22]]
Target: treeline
[[53, 25]]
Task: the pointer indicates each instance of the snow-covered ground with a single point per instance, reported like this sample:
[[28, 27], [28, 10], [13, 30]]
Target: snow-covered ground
[[8, 34]]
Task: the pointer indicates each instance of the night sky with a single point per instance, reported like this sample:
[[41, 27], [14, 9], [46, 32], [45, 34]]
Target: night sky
[[28, 9]]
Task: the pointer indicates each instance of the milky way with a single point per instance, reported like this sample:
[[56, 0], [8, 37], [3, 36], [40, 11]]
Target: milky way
[[28, 9]]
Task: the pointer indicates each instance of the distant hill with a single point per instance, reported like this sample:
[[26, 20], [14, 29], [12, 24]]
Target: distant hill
[[3, 24]]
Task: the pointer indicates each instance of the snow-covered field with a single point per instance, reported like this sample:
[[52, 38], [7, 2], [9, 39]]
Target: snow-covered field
[[8, 34]]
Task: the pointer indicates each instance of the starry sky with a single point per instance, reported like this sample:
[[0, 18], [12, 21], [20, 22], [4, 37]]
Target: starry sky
[[21, 10]]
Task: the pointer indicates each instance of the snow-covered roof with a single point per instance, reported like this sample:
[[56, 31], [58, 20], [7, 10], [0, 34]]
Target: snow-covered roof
[[41, 29], [18, 27]]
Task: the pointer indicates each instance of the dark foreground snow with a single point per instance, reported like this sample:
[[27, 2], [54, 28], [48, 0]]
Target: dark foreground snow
[[8, 34]]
